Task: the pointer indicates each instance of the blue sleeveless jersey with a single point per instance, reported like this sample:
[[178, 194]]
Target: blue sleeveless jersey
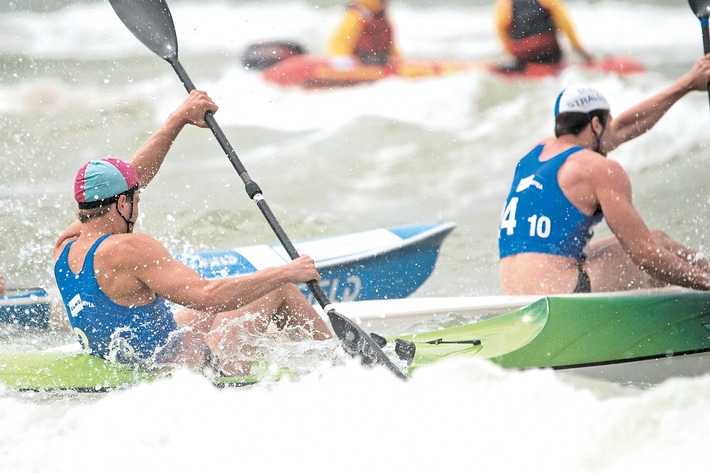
[[125, 334], [537, 217]]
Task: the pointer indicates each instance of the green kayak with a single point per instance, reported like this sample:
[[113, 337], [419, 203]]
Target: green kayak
[[50, 371], [628, 338]]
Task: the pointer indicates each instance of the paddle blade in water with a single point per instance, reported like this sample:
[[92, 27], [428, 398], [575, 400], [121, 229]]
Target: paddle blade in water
[[357, 343], [701, 8], [151, 22]]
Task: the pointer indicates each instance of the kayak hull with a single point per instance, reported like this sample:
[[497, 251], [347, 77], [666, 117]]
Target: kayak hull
[[648, 372], [317, 72], [59, 370], [26, 307], [80, 372], [628, 338], [386, 263]]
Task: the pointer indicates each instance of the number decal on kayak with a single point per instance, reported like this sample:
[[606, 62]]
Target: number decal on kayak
[[337, 290]]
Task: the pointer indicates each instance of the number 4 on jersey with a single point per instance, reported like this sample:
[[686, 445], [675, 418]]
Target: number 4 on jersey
[[507, 218]]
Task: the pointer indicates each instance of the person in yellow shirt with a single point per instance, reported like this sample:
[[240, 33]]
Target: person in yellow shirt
[[529, 28], [365, 33]]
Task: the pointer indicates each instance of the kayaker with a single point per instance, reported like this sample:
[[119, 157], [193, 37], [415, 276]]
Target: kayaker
[[529, 31], [566, 185], [365, 34], [115, 282]]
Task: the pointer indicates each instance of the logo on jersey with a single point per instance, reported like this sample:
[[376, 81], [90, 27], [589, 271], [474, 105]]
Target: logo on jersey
[[528, 182], [76, 305]]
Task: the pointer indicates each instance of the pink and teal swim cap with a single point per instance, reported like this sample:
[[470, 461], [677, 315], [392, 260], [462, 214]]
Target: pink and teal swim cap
[[100, 182]]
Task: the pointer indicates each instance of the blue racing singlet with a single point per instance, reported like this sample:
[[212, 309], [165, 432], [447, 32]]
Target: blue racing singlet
[[124, 334], [538, 217]]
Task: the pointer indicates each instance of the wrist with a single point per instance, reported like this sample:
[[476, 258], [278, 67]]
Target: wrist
[[172, 126], [176, 121], [684, 84]]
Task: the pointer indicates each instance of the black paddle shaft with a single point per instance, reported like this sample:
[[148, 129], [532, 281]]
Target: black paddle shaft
[[701, 8], [151, 22]]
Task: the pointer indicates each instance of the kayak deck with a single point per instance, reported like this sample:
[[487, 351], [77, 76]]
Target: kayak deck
[[584, 332]]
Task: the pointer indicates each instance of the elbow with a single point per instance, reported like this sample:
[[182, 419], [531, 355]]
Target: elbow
[[212, 300], [646, 264], [197, 296]]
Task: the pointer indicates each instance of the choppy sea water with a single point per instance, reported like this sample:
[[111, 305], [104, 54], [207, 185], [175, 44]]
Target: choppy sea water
[[75, 85]]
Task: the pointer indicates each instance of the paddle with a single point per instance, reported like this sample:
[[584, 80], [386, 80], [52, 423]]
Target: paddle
[[701, 8], [151, 22]]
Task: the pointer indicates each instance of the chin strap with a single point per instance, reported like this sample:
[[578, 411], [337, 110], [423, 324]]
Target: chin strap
[[598, 146], [129, 224]]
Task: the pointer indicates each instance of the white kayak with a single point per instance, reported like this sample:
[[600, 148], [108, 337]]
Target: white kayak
[[385, 263], [27, 307]]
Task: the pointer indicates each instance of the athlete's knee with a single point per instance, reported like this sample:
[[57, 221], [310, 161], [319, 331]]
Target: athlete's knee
[[195, 320], [290, 290]]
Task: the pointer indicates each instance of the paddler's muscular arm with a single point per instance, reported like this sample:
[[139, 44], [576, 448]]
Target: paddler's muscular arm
[[563, 21], [613, 189], [150, 156], [642, 117], [147, 262], [394, 50]]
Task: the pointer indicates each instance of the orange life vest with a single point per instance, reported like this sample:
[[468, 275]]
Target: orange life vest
[[375, 42]]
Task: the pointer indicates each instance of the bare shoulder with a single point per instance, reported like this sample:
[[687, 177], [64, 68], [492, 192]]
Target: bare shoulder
[[134, 249], [70, 233], [609, 172], [585, 164], [597, 166], [132, 240], [611, 183]]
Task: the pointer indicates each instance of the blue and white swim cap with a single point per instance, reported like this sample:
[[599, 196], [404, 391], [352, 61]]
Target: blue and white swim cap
[[582, 99]]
